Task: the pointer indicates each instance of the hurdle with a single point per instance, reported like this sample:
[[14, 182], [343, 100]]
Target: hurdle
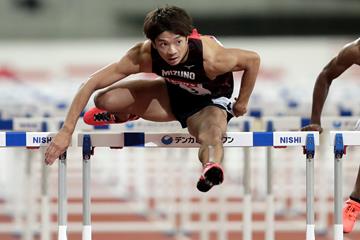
[[38, 124], [288, 123], [37, 140], [340, 140], [89, 141], [244, 124], [34, 125]]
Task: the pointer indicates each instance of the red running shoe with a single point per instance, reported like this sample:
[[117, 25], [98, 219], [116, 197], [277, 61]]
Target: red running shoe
[[98, 117], [212, 175], [350, 212]]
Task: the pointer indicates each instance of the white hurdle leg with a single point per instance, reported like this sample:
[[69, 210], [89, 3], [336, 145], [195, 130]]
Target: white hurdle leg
[[247, 223], [29, 196], [86, 233], [45, 202], [339, 151], [310, 214], [269, 217], [62, 199]]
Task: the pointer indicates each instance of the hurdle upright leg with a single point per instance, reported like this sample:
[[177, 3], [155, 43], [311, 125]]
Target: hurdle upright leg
[[247, 213], [86, 234], [45, 208], [62, 199], [269, 217], [29, 196], [310, 213], [338, 197]]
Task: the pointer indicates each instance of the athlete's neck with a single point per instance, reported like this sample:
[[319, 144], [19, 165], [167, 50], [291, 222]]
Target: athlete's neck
[[185, 56]]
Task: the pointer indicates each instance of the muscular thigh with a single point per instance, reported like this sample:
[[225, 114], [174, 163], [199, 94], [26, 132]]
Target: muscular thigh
[[206, 118], [145, 98]]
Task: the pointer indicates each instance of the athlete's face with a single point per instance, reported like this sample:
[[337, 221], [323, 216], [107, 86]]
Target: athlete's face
[[171, 47]]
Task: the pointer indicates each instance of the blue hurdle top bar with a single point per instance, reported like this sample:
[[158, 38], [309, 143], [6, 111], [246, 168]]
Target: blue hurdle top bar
[[25, 139]]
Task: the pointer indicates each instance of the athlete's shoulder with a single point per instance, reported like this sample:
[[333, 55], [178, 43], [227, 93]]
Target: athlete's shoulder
[[357, 46], [141, 51], [211, 47], [352, 45], [350, 52], [140, 54], [141, 48]]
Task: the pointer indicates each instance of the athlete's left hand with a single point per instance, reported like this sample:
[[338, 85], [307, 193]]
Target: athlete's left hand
[[239, 108]]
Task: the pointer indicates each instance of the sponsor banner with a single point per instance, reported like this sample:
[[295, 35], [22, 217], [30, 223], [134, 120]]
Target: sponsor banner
[[186, 140], [37, 139], [2, 139], [170, 140], [350, 138], [293, 138]]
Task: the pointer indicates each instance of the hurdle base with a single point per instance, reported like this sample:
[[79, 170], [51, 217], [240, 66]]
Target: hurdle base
[[310, 232], [62, 233], [338, 232], [86, 233]]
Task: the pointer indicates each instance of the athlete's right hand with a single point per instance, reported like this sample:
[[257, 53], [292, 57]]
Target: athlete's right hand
[[239, 108], [58, 146], [312, 127]]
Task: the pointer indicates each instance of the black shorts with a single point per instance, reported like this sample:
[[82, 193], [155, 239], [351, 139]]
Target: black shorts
[[184, 104]]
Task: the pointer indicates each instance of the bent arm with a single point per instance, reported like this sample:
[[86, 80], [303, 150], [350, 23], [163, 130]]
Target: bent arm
[[249, 62], [231, 60], [131, 63], [346, 57]]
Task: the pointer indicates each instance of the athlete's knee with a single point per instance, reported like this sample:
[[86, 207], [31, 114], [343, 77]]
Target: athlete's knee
[[211, 135], [101, 100]]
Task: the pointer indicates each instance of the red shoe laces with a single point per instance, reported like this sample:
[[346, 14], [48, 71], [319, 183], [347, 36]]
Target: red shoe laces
[[103, 116]]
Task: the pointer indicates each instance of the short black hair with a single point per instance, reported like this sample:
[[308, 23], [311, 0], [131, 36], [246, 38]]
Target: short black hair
[[169, 18]]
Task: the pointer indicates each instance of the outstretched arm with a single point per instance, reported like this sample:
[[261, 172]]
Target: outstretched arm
[[129, 64], [349, 55]]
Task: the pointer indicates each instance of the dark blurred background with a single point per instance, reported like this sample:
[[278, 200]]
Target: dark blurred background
[[117, 18]]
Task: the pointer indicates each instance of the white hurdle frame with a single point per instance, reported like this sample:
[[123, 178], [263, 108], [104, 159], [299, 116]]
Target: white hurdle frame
[[340, 139], [37, 124], [290, 123], [34, 140], [180, 140]]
